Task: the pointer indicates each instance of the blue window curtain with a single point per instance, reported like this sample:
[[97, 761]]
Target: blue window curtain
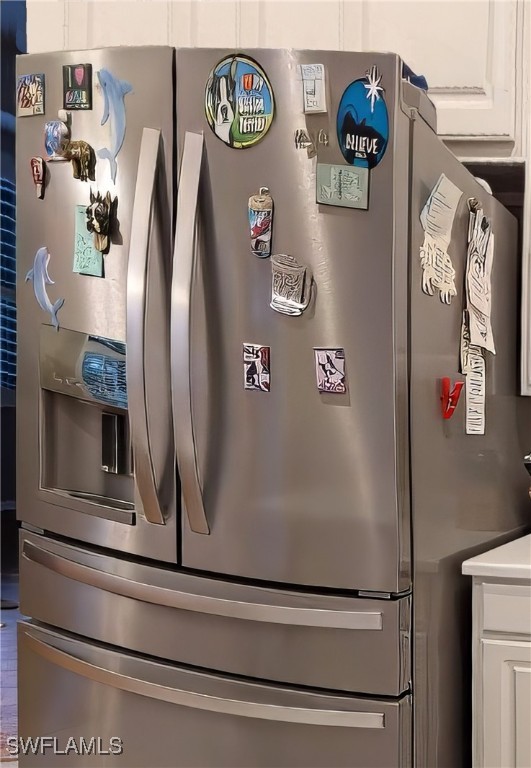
[[13, 41]]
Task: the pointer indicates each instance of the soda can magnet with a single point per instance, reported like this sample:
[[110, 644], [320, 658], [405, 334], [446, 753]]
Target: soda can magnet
[[261, 223]]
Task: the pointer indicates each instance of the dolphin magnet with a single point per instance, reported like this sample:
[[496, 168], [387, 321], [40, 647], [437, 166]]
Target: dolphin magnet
[[40, 278], [114, 91]]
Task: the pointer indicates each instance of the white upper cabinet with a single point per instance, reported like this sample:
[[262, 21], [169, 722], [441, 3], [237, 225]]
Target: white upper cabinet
[[467, 52], [472, 52]]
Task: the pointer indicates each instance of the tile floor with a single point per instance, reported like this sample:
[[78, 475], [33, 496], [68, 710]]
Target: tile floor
[[8, 665]]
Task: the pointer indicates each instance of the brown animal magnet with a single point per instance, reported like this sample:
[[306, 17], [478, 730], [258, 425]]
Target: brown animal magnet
[[100, 213], [83, 160]]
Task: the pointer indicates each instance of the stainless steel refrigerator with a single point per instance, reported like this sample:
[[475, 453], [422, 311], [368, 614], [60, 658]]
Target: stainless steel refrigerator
[[242, 528]]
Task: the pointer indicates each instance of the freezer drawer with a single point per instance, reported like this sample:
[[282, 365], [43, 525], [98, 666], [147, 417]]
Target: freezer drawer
[[343, 643], [163, 715]]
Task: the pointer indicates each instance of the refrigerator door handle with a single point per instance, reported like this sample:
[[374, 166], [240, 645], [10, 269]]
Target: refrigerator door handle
[[127, 679], [136, 321], [184, 257], [174, 598]]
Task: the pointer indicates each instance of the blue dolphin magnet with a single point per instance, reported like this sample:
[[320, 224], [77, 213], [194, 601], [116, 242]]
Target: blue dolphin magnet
[[40, 278], [114, 91]]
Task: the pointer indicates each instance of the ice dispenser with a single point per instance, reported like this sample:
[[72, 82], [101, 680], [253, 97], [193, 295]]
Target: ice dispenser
[[85, 444]]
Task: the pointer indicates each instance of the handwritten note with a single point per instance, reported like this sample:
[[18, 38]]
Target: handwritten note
[[437, 218], [478, 278], [475, 392], [87, 260], [465, 344], [342, 185]]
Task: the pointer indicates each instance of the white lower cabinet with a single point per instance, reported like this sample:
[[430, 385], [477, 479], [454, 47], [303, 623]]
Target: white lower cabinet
[[506, 726], [501, 655]]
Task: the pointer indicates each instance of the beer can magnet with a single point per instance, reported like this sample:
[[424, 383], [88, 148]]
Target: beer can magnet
[[261, 223]]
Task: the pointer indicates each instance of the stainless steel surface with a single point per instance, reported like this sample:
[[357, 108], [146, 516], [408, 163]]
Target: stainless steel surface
[[300, 487], [184, 267], [126, 682], [139, 254], [113, 444], [100, 506], [272, 614], [69, 449], [325, 641], [468, 492], [417, 99], [93, 306], [186, 715], [123, 505]]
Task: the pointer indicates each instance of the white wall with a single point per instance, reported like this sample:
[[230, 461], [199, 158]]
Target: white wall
[[447, 40], [467, 50]]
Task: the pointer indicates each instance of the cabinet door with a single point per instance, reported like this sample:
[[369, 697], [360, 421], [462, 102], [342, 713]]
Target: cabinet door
[[466, 52], [506, 704]]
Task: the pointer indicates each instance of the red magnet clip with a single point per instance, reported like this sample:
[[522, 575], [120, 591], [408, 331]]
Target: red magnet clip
[[449, 399]]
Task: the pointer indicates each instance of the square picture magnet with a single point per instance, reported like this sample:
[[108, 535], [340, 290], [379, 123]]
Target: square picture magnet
[[77, 86], [87, 259], [256, 367], [342, 185], [30, 95], [330, 370]]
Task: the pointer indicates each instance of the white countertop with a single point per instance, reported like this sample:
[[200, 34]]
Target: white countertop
[[510, 561]]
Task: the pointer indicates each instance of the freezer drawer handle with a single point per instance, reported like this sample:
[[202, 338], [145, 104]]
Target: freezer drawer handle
[[173, 598], [184, 698], [139, 251], [184, 257]]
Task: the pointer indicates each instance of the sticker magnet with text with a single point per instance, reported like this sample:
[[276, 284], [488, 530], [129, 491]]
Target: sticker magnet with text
[[363, 121], [239, 103], [30, 95]]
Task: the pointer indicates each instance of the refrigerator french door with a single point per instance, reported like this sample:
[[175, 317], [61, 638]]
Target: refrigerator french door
[[291, 485], [95, 449]]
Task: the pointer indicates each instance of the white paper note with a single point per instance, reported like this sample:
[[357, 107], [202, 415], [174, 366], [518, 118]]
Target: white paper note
[[465, 344], [475, 392], [478, 279], [437, 218], [313, 87]]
